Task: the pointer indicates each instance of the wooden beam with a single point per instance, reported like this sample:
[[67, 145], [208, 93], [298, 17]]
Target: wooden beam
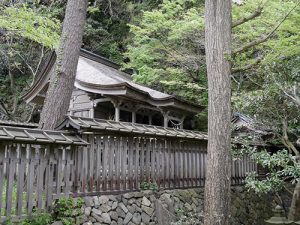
[[99, 100]]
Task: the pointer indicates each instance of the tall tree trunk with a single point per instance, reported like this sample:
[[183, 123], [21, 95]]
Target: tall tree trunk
[[294, 211], [218, 51], [62, 80]]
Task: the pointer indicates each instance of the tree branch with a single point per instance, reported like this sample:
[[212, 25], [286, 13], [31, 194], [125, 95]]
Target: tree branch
[[293, 96], [286, 140], [264, 38], [246, 67], [255, 14]]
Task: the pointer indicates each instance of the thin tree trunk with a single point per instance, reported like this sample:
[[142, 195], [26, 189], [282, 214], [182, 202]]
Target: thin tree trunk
[[218, 51], [294, 212], [13, 90], [62, 81]]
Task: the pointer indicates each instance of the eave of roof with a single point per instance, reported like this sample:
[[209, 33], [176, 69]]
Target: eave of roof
[[41, 81], [98, 125], [36, 136], [165, 101], [9, 123]]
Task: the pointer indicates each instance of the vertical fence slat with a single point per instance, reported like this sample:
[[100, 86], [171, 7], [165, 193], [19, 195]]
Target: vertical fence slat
[[153, 180], [49, 174], [2, 174], [148, 150], [91, 157], [118, 163], [142, 160], [105, 159], [59, 168], [158, 162], [98, 162], [123, 152], [10, 179], [21, 176], [111, 163], [67, 171], [137, 163], [30, 179]]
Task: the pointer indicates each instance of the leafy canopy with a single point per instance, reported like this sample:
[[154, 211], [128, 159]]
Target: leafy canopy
[[25, 22]]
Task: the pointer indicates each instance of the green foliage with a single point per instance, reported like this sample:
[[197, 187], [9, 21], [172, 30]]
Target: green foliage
[[25, 22], [267, 96], [148, 186], [8, 221], [189, 219], [281, 166], [282, 44], [179, 211], [167, 47], [163, 52], [167, 51], [38, 219], [66, 209]]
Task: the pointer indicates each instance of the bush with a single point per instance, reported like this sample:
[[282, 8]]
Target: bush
[[148, 186], [66, 209], [38, 219]]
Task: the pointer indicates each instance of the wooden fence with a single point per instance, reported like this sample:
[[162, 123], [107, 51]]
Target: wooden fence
[[32, 176], [117, 163]]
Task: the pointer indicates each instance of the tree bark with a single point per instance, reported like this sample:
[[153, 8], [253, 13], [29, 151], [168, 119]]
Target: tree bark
[[62, 80], [218, 51], [294, 211]]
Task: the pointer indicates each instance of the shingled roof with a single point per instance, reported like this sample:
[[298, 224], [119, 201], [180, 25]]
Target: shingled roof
[[96, 74], [39, 136], [96, 125]]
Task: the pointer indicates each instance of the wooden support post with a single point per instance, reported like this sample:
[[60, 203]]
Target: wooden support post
[[181, 122], [117, 113], [92, 110], [117, 104], [150, 119], [166, 120], [133, 117]]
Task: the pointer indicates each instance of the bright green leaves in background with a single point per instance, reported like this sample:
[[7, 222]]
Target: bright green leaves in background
[[285, 40], [24, 22], [166, 47]]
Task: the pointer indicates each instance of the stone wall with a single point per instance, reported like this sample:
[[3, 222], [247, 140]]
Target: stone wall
[[163, 207]]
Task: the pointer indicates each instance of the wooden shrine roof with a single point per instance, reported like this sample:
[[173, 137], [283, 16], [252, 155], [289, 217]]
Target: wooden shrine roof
[[96, 74], [39, 136], [88, 124]]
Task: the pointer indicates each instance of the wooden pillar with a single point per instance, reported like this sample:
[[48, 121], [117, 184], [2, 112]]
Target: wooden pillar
[[92, 113], [181, 122], [133, 120], [150, 119], [166, 120], [116, 104], [117, 113], [92, 110]]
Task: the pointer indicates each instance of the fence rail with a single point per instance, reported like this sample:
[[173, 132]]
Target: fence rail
[[32, 176]]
